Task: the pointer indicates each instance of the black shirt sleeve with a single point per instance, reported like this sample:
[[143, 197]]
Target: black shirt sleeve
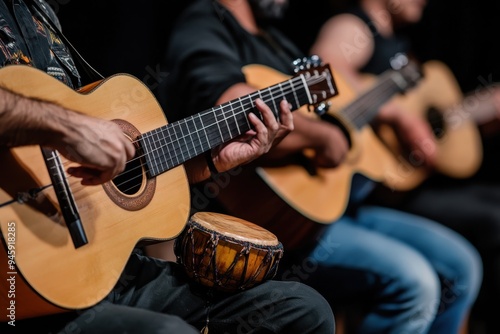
[[203, 62]]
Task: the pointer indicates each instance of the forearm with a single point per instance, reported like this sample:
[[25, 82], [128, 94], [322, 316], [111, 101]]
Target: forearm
[[308, 133], [197, 169], [24, 121]]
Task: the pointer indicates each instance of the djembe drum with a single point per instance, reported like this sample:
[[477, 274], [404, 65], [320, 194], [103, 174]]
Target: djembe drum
[[226, 253]]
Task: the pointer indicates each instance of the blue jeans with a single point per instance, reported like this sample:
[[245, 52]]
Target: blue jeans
[[410, 274]]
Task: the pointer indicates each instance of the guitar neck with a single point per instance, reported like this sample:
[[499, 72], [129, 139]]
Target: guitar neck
[[175, 143], [364, 109]]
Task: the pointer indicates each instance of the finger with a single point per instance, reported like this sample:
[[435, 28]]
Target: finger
[[129, 149], [89, 176], [259, 127], [91, 181], [268, 116], [286, 115]]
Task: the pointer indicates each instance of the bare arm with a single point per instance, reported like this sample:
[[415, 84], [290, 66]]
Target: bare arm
[[483, 106], [99, 146], [347, 43]]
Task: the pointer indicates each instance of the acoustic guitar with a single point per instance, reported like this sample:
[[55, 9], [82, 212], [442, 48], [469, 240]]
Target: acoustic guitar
[[69, 243], [296, 200], [439, 101]]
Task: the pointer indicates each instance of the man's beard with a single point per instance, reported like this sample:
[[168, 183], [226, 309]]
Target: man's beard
[[269, 9]]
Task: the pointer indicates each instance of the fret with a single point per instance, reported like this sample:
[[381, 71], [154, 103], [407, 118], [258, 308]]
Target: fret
[[170, 144], [212, 129], [235, 117], [170, 134], [226, 111], [181, 137], [282, 94], [231, 120], [251, 107], [202, 132], [243, 108], [297, 102], [216, 117], [273, 107], [161, 145], [168, 151], [194, 138], [153, 138], [150, 154], [178, 138], [309, 98], [259, 92]]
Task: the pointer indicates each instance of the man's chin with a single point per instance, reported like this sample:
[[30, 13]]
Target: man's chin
[[269, 9]]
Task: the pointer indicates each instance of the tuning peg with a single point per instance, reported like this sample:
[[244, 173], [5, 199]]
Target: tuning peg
[[399, 61], [298, 65], [315, 60], [321, 108], [301, 64]]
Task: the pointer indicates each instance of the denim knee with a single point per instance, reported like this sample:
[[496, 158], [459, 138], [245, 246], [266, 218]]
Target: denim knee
[[413, 293]]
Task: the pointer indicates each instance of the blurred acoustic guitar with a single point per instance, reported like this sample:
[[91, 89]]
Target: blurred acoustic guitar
[[67, 244], [296, 200]]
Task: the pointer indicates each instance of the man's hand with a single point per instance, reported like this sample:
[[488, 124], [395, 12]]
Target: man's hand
[[98, 146], [101, 149], [257, 141], [413, 133], [247, 147]]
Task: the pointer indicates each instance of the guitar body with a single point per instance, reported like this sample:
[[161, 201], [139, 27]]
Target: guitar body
[[114, 221], [459, 148], [291, 193], [307, 193]]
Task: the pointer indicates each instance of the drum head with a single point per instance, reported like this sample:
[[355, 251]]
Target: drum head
[[235, 228]]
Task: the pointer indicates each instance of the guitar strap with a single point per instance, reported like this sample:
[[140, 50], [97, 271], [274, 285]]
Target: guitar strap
[[36, 45], [91, 72]]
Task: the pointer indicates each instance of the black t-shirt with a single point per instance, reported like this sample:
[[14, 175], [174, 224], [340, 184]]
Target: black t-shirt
[[206, 52], [29, 36], [385, 48]]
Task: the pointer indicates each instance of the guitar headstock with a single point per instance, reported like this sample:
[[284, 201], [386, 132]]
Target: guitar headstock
[[410, 71], [319, 80]]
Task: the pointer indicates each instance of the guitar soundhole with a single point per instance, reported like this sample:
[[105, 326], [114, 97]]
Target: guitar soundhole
[[436, 121], [130, 180], [131, 190]]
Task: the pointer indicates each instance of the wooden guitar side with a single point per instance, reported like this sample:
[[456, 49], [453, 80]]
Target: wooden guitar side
[[65, 276]]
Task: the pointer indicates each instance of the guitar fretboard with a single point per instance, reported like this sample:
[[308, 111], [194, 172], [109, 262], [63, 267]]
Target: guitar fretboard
[[363, 110], [175, 143]]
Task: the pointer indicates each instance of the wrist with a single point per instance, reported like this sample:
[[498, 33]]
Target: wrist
[[210, 163]]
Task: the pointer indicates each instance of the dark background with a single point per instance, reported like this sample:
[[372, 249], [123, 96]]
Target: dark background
[[129, 36]]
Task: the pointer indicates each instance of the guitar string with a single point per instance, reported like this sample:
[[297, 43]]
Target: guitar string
[[181, 147], [365, 100], [352, 109], [232, 112], [284, 92], [236, 111], [198, 144], [356, 111]]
